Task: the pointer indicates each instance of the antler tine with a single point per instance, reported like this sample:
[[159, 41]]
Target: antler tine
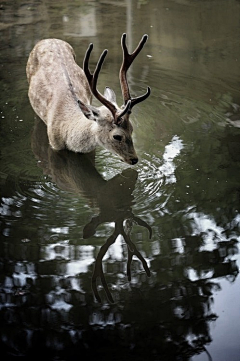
[[98, 269], [132, 250], [142, 223], [85, 64], [126, 63], [92, 78], [98, 68], [141, 98], [140, 257]]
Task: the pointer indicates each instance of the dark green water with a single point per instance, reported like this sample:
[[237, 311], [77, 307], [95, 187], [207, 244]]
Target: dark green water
[[58, 209]]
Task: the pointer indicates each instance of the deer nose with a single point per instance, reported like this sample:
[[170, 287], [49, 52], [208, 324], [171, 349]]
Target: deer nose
[[134, 160]]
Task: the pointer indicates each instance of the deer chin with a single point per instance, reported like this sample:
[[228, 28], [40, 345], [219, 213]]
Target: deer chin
[[130, 161]]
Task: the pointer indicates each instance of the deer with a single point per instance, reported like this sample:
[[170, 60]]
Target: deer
[[61, 92]]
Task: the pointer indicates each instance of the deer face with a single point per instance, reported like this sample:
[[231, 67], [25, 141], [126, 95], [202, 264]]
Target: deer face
[[112, 135], [120, 142]]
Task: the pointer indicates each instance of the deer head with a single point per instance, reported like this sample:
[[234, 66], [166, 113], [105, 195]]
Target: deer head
[[115, 127]]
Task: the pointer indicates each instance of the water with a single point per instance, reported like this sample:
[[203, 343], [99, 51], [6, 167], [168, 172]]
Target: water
[[168, 289]]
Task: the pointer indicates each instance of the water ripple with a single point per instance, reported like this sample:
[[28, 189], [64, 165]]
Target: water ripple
[[156, 173]]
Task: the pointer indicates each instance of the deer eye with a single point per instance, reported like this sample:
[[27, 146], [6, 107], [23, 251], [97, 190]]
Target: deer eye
[[95, 113], [118, 137]]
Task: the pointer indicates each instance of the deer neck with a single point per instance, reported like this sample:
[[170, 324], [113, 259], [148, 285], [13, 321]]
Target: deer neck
[[81, 134]]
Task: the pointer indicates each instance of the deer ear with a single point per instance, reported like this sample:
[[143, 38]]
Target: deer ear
[[110, 95], [89, 111]]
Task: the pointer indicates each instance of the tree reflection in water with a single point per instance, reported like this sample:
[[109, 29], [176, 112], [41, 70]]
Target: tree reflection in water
[[164, 317]]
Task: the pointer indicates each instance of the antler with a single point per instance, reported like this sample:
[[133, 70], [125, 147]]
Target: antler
[[126, 63], [92, 80], [98, 269]]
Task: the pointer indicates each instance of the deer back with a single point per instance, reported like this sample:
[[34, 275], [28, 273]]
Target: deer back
[[55, 79], [56, 83]]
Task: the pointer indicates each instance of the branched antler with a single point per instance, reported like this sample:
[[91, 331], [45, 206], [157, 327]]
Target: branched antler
[[126, 63]]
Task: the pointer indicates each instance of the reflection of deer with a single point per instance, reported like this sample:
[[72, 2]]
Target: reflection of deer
[[76, 172], [61, 92]]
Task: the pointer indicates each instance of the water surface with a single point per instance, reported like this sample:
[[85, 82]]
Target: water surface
[[71, 286]]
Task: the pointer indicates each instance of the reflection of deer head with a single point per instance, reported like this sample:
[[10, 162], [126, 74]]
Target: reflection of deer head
[[76, 173]]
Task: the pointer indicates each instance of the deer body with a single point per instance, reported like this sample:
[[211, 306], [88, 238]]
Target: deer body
[[60, 92]]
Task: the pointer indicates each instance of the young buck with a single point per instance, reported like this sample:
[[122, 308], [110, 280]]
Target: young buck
[[60, 93]]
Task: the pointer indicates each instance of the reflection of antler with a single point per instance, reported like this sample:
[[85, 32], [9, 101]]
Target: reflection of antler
[[132, 250]]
